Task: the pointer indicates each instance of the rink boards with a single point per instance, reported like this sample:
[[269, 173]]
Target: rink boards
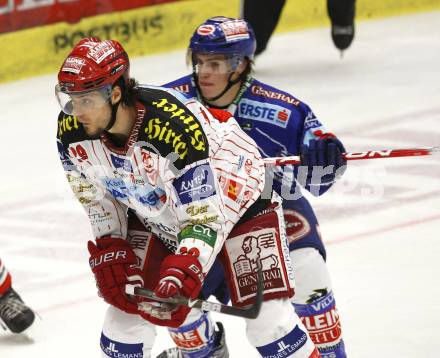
[[161, 28]]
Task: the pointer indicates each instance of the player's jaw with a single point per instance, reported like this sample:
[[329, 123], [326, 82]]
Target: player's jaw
[[94, 124], [212, 85]]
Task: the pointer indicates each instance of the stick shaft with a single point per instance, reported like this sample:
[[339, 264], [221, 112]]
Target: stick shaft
[[251, 311], [245, 312], [371, 154]]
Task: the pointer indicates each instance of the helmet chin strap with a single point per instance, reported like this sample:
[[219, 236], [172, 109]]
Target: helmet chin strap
[[227, 87]]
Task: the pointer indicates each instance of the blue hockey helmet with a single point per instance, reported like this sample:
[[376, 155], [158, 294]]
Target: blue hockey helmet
[[224, 35]]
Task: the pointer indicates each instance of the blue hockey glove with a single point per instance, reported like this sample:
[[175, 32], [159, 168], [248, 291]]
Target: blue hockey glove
[[325, 151]]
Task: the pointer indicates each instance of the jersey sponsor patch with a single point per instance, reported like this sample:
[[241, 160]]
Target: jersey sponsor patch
[[248, 252], [195, 184], [84, 191], [200, 232], [184, 88], [200, 215], [195, 339], [122, 190], [231, 188], [66, 124], [70, 131], [118, 349], [285, 346], [257, 250], [263, 92], [65, 159], [185, 120], [121, 163], [170, 127], [321, 319], [264, 112], [188, 340], [297, 225], [311, 121], [246, 125]]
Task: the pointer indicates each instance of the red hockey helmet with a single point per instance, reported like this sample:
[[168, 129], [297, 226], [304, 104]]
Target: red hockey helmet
[[91, 65]]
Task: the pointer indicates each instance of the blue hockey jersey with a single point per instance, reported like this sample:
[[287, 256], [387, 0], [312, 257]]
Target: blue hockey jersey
[[277, 121]]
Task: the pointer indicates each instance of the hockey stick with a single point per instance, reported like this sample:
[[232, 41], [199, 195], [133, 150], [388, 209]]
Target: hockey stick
[[371, 154], [250, 311]]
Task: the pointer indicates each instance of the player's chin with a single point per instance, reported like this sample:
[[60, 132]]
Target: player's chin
[[207, 91], [93, 133], [209, 94]]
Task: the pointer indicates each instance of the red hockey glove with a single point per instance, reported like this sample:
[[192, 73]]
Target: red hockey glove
[[179, 275], [114, 264]]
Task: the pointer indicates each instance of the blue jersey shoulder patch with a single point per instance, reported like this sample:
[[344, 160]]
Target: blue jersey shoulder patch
[[264, 112], [184, 85]]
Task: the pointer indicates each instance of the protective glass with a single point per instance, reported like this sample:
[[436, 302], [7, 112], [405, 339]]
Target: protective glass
[[214, 64], [77, 103]]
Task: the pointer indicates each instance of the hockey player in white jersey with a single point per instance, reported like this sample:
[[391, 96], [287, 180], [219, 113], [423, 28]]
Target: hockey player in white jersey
[[168, 188]]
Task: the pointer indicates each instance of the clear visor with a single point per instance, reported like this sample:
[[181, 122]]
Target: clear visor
[[77, 103], [213, 63]]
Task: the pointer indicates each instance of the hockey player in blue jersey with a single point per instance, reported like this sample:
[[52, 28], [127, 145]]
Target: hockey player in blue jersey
[[221, 52]]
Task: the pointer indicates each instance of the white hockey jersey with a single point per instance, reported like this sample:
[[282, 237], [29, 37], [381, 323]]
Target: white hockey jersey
[[188, 177]]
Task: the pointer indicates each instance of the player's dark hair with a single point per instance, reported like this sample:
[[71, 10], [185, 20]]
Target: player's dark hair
[[249, 68], [128, 92]]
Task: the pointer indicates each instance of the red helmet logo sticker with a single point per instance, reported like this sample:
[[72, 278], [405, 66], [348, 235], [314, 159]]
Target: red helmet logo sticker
[[205, 30], [73, 64], [101, 51]]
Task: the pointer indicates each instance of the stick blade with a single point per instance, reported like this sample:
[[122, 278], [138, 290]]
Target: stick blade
[[251, 311]]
